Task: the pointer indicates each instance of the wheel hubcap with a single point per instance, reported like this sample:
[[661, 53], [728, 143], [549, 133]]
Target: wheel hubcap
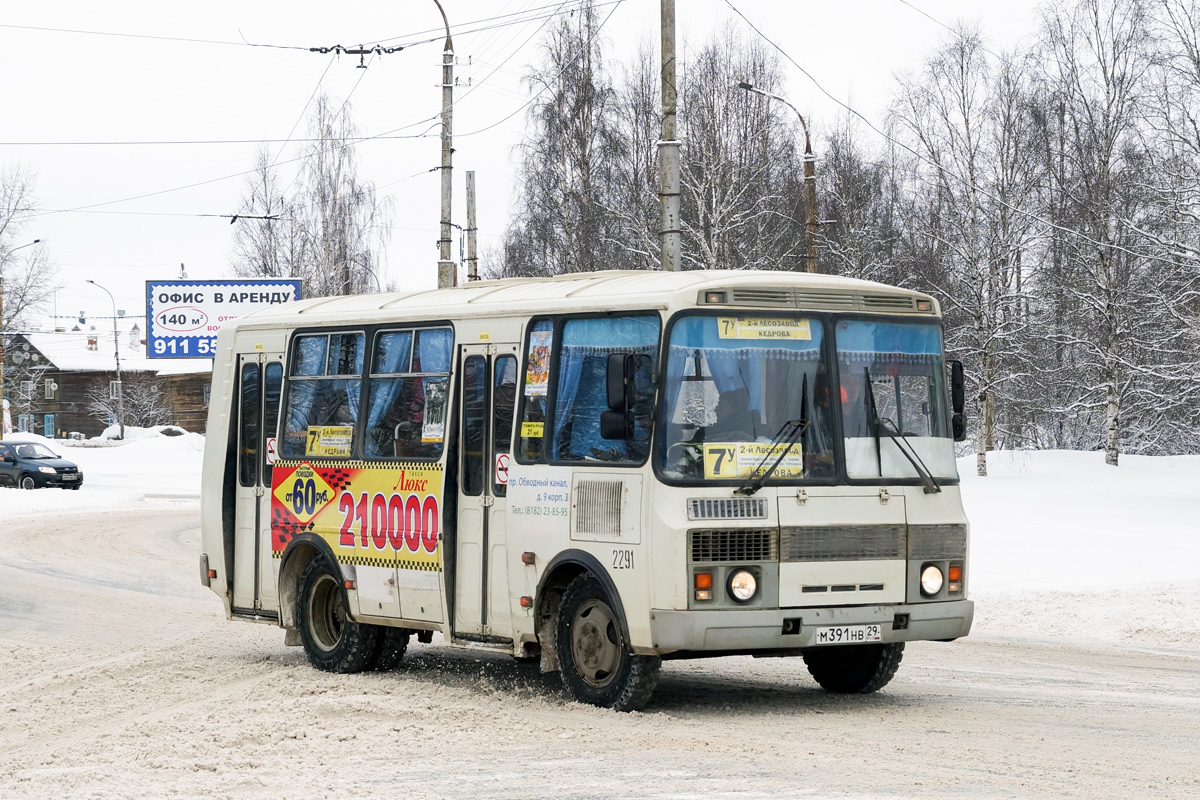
[[326, 613], [27, 483], [596, 643]]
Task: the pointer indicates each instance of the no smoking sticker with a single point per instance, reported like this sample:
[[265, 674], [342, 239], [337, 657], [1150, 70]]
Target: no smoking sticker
[[502, 461]]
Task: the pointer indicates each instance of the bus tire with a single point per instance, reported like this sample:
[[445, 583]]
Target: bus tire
[[854, 668], [332, 640], [393, 642], [596, 663]]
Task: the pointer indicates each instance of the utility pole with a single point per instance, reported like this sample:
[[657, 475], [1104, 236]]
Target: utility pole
[[472, 259], [810, 182], [447, 274], [2, 330], [668, 149]]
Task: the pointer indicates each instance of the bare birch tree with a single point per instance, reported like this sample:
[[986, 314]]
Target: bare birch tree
[[1096, 58], [29, 278], [332, 231]]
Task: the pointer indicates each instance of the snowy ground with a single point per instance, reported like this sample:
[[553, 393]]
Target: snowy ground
[[1063, 546], [121, 678]]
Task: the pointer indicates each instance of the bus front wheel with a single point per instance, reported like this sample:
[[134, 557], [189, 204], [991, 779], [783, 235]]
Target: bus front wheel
[[597, 664], [332, 640], [854, 668]]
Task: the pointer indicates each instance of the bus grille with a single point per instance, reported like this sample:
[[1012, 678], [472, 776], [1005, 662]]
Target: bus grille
[[727, 508], [930, 542], [843, 543], [719, 547]]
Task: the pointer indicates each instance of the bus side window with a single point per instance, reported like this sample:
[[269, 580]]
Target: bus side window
[[272, 383], [410, 379], [534, 389], [249, 427], [580, 387], [323, 392], [504, 399]]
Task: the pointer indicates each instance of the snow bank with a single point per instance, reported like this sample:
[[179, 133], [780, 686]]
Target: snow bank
[[149, 467], [1065, 521]]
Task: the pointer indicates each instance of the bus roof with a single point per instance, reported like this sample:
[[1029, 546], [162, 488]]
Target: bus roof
[[614, 290]]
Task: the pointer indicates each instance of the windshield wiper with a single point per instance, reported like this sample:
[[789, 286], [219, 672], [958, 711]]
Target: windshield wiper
[[880, 423], [797, 429]]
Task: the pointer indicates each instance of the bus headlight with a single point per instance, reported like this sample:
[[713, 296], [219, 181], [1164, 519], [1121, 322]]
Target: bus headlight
[[742, 585], [931, 580]]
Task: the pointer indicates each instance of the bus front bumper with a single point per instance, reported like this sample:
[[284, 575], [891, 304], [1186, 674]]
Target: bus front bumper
[[764, 629]]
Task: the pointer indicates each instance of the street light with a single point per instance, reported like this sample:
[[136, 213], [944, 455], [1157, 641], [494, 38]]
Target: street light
[[810, 181], [117, 355], [3, 259]]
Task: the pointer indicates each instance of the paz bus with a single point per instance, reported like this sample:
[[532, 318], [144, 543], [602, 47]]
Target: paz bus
[[598, 470]]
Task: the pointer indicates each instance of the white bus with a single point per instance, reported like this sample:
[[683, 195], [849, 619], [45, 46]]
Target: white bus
[[600, 470]]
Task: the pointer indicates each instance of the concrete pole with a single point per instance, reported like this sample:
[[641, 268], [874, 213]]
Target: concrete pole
[[810, 204], [117, 356], [810, 181], [447, 272], [668, 149], [472, 258]]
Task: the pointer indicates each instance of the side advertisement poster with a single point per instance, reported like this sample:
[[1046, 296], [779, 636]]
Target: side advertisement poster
[[369, 514]]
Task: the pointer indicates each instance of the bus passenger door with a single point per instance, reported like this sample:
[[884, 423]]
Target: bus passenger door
[[260, 380], [488, 394]]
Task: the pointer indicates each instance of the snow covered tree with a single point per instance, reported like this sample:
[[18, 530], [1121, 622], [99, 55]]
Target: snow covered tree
[[965, 118]]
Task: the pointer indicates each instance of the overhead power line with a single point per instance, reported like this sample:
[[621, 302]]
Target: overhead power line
[[123, 35]]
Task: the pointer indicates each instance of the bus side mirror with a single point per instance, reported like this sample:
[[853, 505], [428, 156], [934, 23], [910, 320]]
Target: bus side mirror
[[958, 395], [617, 421]]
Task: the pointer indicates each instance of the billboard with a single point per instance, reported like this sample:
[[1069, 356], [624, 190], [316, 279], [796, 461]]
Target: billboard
[[183, 317]]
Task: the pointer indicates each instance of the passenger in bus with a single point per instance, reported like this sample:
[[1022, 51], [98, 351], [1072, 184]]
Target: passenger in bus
[[734, 419]]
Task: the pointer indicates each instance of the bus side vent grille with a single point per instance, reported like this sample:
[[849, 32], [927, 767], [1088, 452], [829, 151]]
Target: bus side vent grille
[[833, 300], [598, 507], [842, 543], [727, 508], [740, 546], [887, 302], [778, 298], [928, 542]]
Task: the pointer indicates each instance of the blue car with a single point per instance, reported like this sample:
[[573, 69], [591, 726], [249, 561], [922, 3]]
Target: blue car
[[30, 465]]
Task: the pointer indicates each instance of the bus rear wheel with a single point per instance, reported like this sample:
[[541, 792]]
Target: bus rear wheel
[[854, 668], [597, 664], [332, 640], [393, 642]]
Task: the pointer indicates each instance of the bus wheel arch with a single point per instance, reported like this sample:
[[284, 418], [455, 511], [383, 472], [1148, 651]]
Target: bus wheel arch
[[597, 663], [556, 577], [301, 550]]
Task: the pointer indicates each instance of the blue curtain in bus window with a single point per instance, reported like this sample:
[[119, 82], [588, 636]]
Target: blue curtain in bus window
[[580, 394], [434, 347], [310, 355], [859, 336], [392, 351]]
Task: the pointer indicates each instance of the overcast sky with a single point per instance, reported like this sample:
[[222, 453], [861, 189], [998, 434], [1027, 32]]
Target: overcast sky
[[64, 94]]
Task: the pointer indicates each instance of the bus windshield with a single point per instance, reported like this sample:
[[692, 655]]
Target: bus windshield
[[732, 384], [893, 398]]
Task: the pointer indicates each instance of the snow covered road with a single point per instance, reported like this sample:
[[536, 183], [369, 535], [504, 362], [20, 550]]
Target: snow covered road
[[121, 679]]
